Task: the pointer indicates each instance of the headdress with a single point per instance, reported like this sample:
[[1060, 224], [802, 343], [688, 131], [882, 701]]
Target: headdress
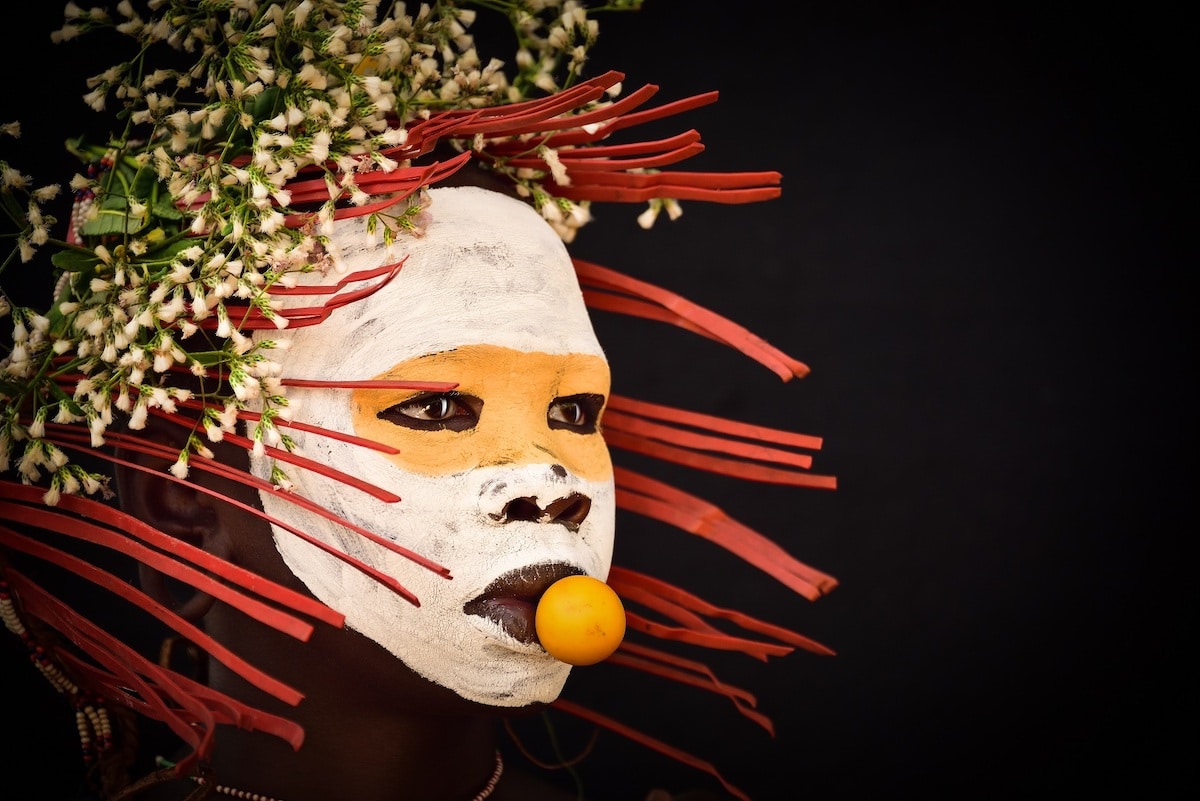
[[262, 125]]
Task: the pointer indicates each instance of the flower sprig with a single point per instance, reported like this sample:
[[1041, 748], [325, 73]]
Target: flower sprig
[[185, 219]]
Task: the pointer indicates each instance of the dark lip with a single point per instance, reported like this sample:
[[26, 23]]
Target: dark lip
[[511, 599]]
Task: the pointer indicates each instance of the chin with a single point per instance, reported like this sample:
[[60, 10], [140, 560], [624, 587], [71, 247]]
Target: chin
[[500, 677]]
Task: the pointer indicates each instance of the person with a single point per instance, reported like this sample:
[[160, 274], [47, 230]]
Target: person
[[350, 460]]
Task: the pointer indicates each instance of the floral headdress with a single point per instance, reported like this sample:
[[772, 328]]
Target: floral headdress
[[249, 129]]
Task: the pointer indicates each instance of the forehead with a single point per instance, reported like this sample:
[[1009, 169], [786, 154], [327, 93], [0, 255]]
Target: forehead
[[482, 367], [488, 270]]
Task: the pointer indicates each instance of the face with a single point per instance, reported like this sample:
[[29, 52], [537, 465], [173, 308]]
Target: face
[[505, 480]]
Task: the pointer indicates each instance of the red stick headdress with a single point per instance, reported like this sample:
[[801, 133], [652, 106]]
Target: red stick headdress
[[155, 255]]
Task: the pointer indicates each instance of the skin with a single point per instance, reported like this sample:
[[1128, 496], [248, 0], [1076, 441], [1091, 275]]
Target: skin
[[487, 299]]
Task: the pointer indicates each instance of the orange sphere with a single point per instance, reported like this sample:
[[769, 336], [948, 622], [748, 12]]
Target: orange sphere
[[580, 620]]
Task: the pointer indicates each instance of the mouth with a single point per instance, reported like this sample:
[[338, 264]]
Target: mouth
[[511, 600]]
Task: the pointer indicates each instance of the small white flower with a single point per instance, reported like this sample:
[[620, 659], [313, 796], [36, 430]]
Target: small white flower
[[37, 429], [137, 420], [180, 468], [314, 76], [301, 12], [646, 218], [214, 432], [96, 428]]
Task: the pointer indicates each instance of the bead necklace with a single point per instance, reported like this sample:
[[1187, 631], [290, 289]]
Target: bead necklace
[[233, 792], [91, 716]]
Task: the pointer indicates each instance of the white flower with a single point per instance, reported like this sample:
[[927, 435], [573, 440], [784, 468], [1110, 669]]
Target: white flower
[[320, 146], [37, 429], [314, 76], [301, 12], [11, 178], [244, 386], [646, 218], [180, 468], [56, 458], [96, 428], [95, 99], [557, 169], [214, 432], [137, 420], [228, 416]]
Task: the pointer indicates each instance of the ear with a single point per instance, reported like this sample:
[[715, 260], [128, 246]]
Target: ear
[[181, 509]]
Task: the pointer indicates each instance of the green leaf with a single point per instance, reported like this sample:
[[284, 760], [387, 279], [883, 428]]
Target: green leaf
[[144, 184], [164, 208], [74, 260], [114, 221], [169, 250]]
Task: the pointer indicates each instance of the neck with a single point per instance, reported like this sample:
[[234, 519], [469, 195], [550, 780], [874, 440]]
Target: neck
[[372, 731]]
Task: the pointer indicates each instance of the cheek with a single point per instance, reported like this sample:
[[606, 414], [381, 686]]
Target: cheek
[[427, 453], [585, 455]]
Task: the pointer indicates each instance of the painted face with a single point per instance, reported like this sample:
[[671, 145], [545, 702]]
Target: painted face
[[506, 480]]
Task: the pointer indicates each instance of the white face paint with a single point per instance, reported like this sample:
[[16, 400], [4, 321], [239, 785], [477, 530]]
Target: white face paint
[[487, 299]]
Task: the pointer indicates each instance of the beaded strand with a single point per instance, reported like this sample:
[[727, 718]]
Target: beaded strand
[[91, 717], [233, 792]]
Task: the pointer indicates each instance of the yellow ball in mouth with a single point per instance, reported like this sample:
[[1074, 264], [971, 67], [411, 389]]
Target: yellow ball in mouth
[[580, 620]]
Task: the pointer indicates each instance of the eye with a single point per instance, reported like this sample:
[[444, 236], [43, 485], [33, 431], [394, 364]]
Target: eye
[[578, 413], [435, 411]]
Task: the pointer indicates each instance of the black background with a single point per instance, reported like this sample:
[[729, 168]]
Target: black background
[[980, 253]]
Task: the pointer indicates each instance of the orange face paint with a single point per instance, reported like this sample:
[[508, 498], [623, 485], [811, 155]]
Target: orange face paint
[[516, 388]]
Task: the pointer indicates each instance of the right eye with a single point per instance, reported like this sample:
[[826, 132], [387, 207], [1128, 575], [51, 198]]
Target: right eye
[[435, 411]]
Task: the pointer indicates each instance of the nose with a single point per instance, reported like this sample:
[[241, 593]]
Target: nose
[[570, 510], [543, 493]]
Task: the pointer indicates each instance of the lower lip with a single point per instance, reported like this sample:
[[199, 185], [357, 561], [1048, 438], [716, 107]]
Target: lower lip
[[513, 615]]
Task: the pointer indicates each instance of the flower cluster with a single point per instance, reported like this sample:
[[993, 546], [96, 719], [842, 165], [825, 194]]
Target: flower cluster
[[184, 223]]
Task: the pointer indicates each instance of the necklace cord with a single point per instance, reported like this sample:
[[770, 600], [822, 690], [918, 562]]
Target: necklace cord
[[233, 792]]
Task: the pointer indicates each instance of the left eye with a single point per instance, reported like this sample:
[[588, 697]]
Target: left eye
[[576, 412]]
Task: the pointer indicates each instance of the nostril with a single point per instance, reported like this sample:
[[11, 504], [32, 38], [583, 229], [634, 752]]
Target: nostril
[[520, 509], [569, 511]]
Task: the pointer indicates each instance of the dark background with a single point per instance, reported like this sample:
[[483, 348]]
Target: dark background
[[980, 253]]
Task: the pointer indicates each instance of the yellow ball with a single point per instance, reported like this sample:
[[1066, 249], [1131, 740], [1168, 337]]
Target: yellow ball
[[580, 620]]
